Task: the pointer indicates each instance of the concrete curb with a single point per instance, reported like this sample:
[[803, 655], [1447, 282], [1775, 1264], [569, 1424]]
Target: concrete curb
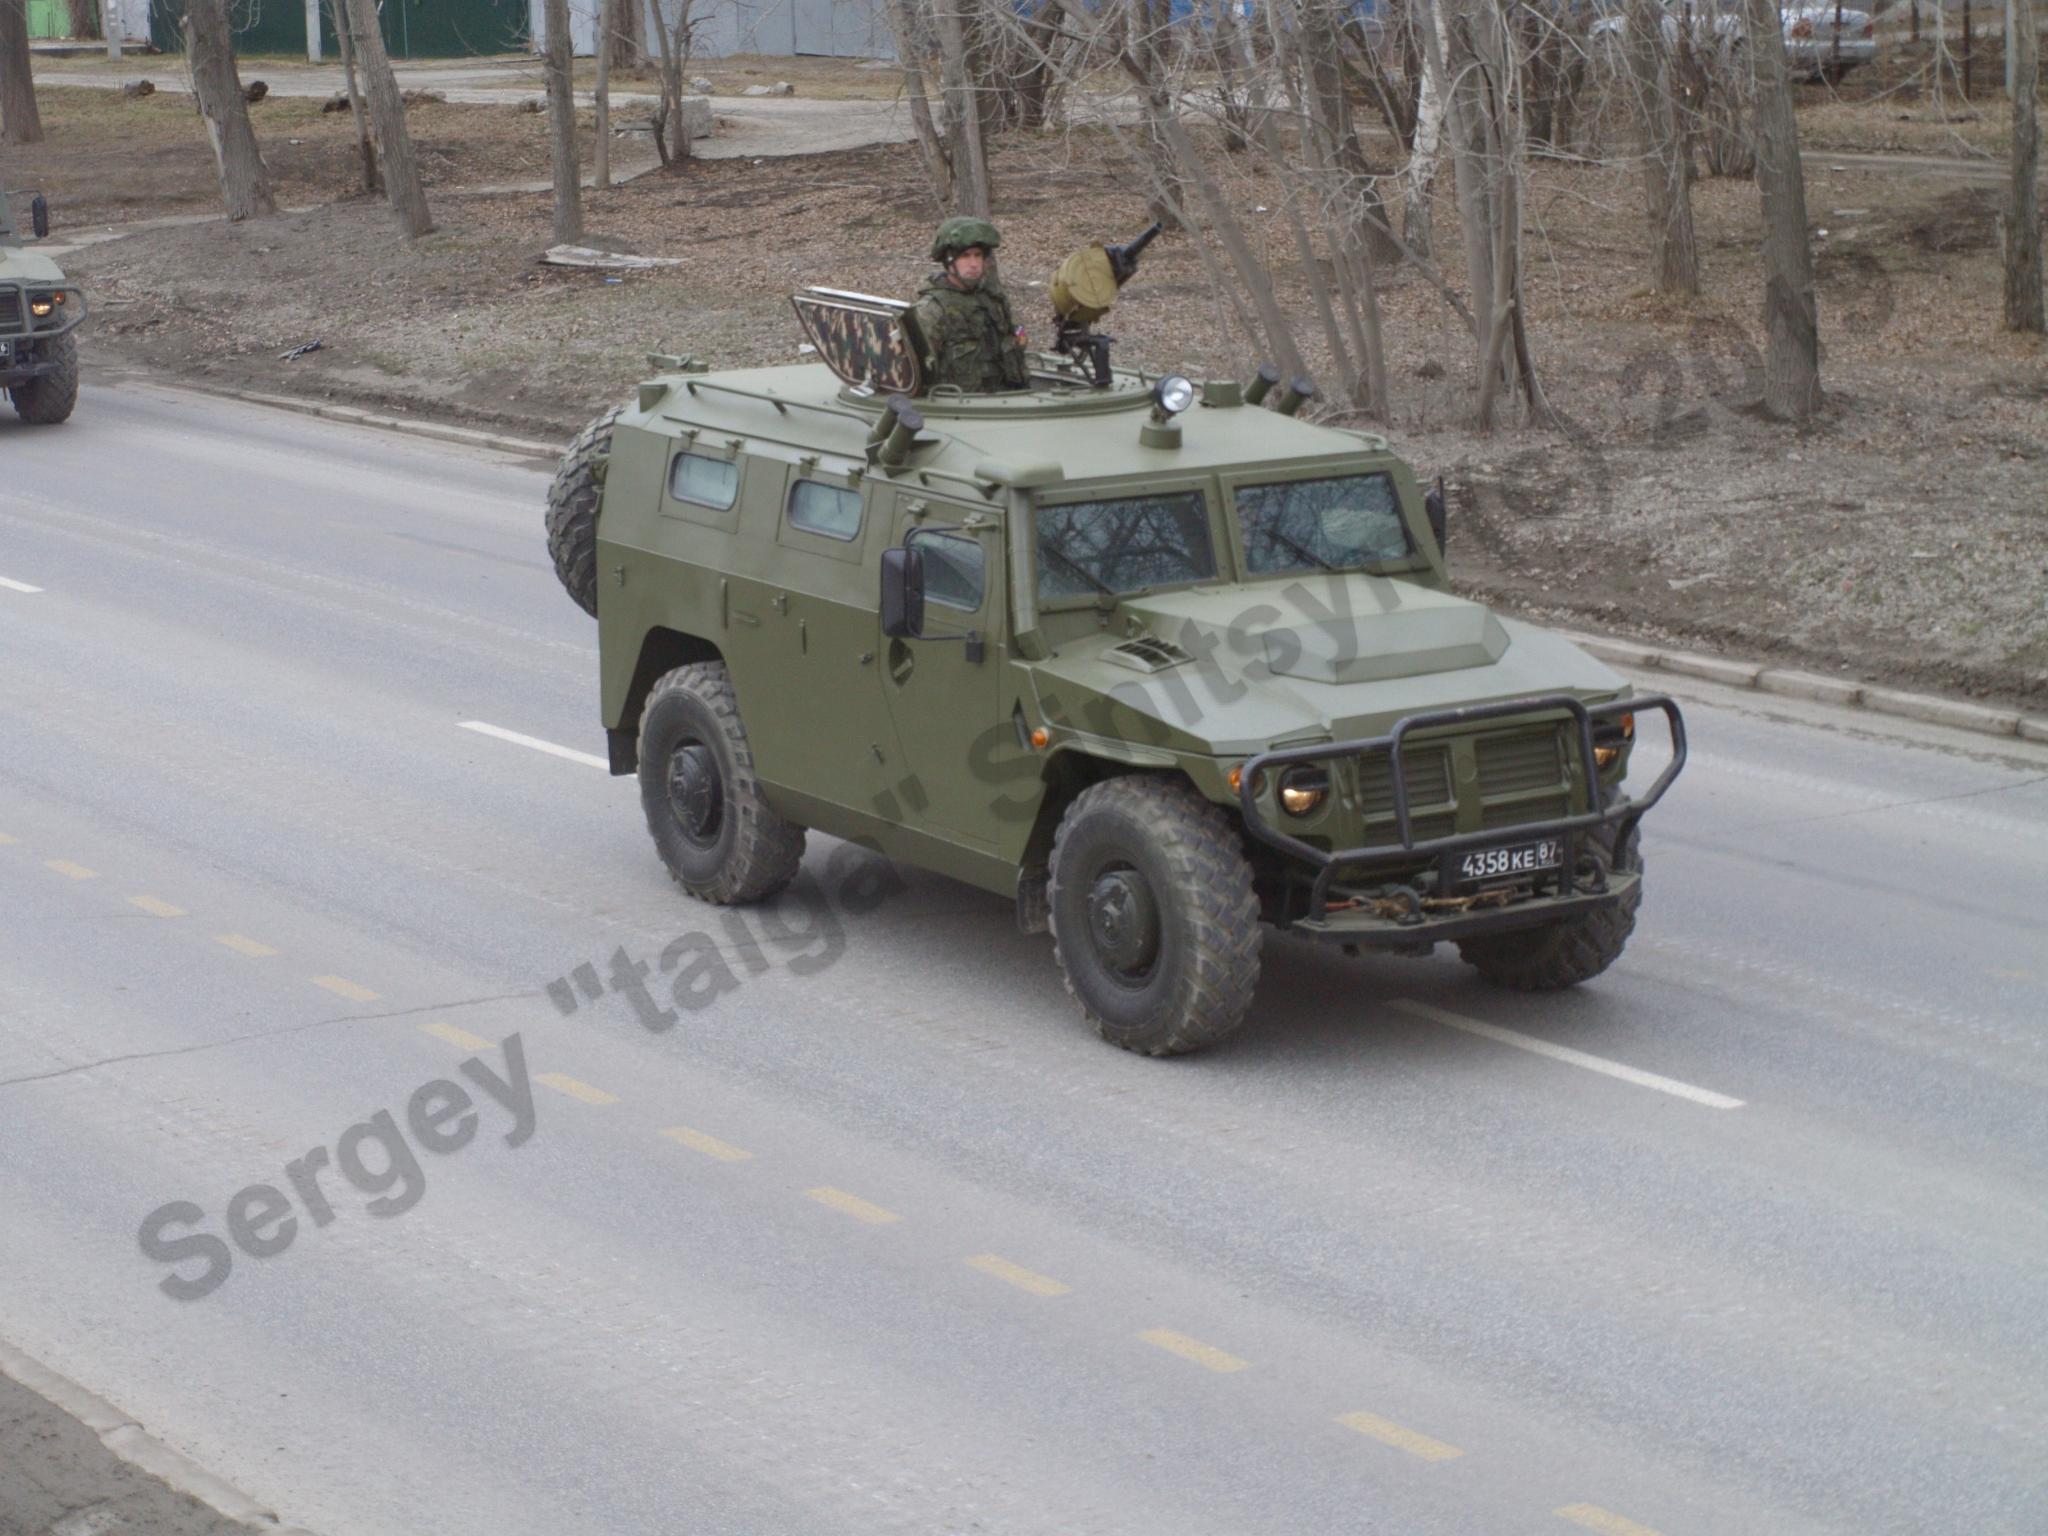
[[131, 1443], [1928, 708]]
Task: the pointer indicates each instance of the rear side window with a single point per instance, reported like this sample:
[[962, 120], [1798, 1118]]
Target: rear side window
[[707, 482], [831, 510]]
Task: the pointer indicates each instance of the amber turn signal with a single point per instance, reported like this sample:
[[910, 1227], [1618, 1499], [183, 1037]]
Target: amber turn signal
[[1040, 736]]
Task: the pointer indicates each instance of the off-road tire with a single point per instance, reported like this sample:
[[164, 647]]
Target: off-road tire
[[572, 510], [47, 400], [1563, 954], [1192, 862], [749, 852]]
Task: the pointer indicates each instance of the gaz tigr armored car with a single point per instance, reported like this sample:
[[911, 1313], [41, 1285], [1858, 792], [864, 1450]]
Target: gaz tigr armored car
[[39, 312], [1160, 660]]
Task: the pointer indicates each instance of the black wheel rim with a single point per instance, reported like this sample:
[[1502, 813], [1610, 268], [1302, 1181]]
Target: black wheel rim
[[696, 794], [1123, 924]]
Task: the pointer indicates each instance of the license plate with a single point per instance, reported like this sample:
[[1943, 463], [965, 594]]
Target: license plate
[[1511, 861]]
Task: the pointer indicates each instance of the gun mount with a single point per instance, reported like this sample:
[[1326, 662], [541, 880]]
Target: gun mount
[[1083, 289]]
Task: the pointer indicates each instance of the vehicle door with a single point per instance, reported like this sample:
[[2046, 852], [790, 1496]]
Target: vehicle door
[[812, 707], [944, 689]]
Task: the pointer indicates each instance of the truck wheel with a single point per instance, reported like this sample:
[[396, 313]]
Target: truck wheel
[[717, 835], [45, 401], [1563, 954], [572, 510], [1154, 922]]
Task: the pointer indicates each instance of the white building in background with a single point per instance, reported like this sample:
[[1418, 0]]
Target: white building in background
[[856, 29]]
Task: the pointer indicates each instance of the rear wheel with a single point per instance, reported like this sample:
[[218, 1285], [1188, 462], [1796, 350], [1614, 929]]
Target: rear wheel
[[1154, 922], [573, 501], [716, 833], [1563, 954], [47, 400]]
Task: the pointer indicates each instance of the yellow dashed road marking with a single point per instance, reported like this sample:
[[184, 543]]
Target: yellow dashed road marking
[[7, 839], [575, 1089], [154, 907], [1605, 1521], [710, 1146], [1017, 1275], [341, 986], [854, 1206], [73, 871], [1208, 1356], [2001, 974], [454, 1036], [1399, 1436], [244, 946]]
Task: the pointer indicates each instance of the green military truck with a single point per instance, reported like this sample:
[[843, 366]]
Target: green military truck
[[1163, 662], [40, 312]]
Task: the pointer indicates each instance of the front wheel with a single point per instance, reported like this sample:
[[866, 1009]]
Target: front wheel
[[48, 399], [1575, 949], [717, 834], [1154, 922]]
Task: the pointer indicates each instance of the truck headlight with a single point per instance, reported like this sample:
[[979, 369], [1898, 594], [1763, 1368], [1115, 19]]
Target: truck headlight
[[42, 304], [1303, 788], [1611, 738]]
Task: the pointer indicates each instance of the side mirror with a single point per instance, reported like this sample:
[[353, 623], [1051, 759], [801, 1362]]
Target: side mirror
[[903, 592], [39, 215], [1433, 503]]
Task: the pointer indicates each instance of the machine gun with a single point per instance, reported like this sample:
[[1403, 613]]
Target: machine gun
[[1083, 289]]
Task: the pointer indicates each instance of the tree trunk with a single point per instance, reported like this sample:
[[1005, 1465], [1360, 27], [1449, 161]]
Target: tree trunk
[[1791, 321], [372, 182], [561, 61], [2023, 212], [22, 123], [387, 111], [671, 123], [210, 51], [626, 43], [1420, 176], [933, 150], [603, 94], [1667, 178], [971, 189]]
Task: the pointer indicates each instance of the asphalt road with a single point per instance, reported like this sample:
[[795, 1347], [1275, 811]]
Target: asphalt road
[[884, 1240]]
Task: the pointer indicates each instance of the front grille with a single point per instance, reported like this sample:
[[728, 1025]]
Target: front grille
[[1426, 774], [10, 311], [1522, 776]]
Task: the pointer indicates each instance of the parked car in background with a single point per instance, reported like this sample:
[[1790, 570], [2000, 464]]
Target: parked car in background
[[1822, 42]]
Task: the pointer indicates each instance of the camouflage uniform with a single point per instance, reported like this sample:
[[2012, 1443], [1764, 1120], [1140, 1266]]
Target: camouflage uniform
[[969, 337]]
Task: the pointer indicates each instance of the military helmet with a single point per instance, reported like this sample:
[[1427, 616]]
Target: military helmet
[[957, 234]]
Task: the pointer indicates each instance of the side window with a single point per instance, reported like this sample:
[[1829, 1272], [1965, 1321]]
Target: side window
[[955, 570], [830, 510], [713, 483]]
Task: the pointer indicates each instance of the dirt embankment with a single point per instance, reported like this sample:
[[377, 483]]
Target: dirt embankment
[[1902, 538]]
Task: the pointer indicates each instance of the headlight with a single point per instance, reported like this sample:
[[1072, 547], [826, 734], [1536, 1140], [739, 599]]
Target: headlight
[[1173, 394], [41, 304], [1303, 788], [1611, 738]]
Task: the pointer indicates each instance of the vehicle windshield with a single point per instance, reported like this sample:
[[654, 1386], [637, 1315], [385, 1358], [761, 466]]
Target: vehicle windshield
[[1331, 525], [1105, 548]]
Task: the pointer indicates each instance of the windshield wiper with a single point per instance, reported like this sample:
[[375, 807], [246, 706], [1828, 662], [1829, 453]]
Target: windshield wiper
[[1307, 554], [1079, 569]]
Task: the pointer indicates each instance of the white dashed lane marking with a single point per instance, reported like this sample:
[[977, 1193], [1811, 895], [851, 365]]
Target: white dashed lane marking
[[17, 586], [517, 739]]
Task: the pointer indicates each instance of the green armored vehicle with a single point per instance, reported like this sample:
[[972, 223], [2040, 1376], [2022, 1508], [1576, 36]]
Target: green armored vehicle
[[1162, 661], [39, 313]]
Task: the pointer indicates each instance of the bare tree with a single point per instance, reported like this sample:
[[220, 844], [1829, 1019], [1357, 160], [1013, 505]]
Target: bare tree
[[372, 181], [1791, 319], [387, 111], [20, 123], [678, 39], [965, 147], [2023, 311], [602, 95], [217, 87], [913, 47], [560, 64], [1666, 161], [625, 44]]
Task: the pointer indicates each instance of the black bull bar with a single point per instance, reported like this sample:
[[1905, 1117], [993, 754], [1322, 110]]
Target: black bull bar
[[1623, 815]]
